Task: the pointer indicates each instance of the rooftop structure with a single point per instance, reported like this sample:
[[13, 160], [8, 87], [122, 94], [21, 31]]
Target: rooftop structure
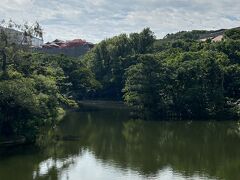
[[66, 44], [74, 48]]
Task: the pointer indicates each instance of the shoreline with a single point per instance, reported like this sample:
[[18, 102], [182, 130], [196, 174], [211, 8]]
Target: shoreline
[[14, 141]]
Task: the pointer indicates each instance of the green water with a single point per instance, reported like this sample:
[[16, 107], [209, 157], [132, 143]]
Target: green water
[[107, 145]]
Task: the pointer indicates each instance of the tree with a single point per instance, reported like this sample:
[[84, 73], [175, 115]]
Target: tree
[[142, 87], [15, 38], [29, 100], [106, 60], [233, 34]]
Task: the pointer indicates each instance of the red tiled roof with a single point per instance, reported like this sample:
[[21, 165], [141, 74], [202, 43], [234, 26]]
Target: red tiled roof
[[65, 44]]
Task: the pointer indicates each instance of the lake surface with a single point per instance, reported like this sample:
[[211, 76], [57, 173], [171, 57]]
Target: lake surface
[[106, 144]]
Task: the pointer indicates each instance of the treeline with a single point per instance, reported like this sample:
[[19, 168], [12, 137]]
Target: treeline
[[175, 77], [36, 88], [110, 58]]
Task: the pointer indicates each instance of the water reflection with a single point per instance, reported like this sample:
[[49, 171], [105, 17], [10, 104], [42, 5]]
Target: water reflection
[[110, 146]]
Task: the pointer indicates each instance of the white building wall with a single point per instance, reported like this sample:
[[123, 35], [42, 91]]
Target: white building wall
[[36, 42], [17, 37]]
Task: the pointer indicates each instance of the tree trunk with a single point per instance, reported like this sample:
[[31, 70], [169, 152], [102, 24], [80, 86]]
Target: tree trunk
[[4, 59]]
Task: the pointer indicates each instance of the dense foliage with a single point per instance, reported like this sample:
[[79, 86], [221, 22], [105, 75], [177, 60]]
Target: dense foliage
[[175, 77], [178, 76], [109, 59], [36, 88]]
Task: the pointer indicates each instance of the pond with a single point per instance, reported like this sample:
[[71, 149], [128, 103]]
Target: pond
[[105, 144]]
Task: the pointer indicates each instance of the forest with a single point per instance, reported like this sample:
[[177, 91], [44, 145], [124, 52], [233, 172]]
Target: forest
[[177, 77]]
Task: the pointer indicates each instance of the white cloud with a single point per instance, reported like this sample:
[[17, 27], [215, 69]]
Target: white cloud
[[96, 20], [16, 5]]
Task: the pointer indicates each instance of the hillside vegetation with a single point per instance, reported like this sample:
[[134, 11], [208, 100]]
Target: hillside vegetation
[[178, 76], [175, 77]]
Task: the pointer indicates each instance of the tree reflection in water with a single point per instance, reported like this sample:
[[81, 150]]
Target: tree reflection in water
[[110, 145], [189, 148]]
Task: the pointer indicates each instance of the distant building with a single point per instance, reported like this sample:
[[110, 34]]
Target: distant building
[[15, 36], [218, 38], [36, 42], [74, 48]]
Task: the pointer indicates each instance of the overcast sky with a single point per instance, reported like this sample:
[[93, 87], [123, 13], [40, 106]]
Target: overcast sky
[[95, 20]]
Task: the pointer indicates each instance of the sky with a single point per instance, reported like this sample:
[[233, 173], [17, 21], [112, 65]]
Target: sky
[[95, 20]]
